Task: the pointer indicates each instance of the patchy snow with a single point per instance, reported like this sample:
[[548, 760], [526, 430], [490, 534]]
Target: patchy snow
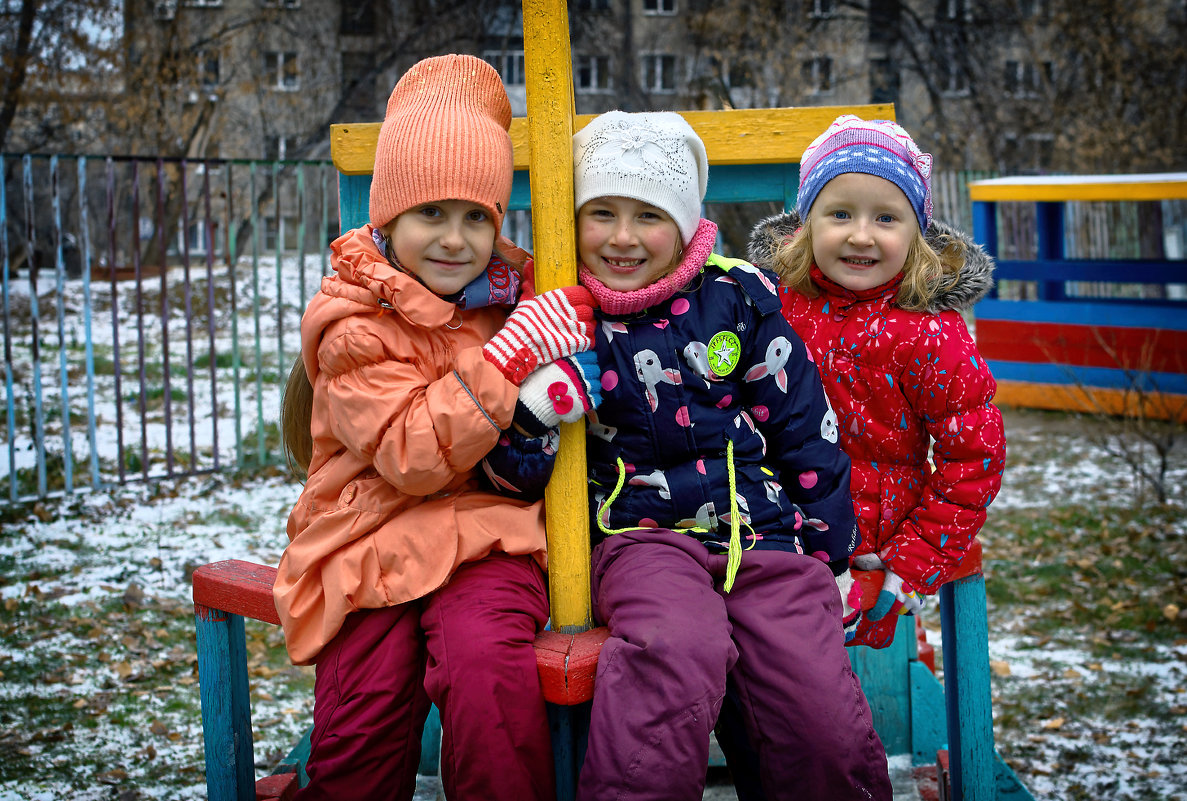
[[84, 553]]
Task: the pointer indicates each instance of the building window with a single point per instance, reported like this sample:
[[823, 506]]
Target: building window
[[951, 73], [659, 72], [276, 148], [284, 231], [203, 3], [509, 63], [822, 9], [1026, 78], [1039, 10], [659, 6], [954, 10], [1030, 153], [592, 73], [280, 71], [884, 81], [359, 79], [818, 75], [740, 75], [358, 19], [208, 71]]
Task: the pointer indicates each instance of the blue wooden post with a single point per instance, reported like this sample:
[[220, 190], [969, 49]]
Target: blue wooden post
[[354, 202], [985, 230], [1049, 225], [226, 708], [971, 753]]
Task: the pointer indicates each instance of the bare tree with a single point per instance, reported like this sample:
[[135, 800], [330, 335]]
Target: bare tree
[[53, 53]]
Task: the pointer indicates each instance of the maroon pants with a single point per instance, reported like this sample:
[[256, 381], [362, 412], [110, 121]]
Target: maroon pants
[[466, 648], [676, 638]]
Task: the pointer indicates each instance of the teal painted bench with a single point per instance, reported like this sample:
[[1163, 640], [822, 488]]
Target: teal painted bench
[[914, 713]]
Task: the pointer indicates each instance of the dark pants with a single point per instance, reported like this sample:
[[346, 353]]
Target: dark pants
[[466, 648], [676, 638]]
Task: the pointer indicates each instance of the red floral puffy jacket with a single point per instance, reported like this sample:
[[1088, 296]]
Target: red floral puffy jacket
[[900, 381]]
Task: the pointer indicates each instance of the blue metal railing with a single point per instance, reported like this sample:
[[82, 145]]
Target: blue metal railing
[[175, 323], [176, 288]]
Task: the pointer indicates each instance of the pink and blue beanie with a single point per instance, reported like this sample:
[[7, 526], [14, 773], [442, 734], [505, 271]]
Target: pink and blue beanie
[[874, 147]]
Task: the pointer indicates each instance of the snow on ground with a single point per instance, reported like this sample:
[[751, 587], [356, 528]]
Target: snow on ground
[[78, 553]]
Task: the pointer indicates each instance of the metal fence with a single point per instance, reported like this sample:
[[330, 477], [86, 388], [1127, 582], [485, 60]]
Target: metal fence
[[150, 311], [151, 307]]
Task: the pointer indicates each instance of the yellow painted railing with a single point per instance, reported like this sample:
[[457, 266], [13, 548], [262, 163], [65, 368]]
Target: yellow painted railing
[[1065, 188]]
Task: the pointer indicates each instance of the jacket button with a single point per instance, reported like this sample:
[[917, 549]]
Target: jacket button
[[888, 514]]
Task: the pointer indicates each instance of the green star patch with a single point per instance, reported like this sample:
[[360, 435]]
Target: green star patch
[[724, 351]]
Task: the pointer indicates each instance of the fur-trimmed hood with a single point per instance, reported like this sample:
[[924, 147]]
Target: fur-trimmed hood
[[976, 278]]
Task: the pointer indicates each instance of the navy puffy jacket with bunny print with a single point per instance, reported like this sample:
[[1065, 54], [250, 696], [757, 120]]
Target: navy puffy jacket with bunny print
[[709, 388]]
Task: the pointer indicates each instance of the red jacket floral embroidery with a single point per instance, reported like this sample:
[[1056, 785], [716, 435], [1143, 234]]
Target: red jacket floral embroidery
[[901, 382]]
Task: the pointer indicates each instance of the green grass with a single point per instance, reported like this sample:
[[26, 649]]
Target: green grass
[[1095, 596], [1106, 570]]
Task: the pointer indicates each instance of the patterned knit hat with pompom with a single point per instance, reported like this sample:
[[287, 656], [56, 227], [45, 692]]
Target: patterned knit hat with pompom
[[444, 137], [874, 147]]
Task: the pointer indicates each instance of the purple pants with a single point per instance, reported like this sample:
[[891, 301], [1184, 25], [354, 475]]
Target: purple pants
[[468, 649], [676, 637]]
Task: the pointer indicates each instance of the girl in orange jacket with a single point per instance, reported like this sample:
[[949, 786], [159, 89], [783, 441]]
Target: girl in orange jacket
[[407, 580]]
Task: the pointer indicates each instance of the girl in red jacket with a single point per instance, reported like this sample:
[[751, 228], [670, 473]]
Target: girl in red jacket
[[407, 579], [876, 289]]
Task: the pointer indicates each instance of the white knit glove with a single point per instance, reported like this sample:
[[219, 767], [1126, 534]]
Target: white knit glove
[[896, 596], [559, 392], [850, 603]]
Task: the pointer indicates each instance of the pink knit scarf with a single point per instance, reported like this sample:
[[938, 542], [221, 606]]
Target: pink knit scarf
[[695, 254]]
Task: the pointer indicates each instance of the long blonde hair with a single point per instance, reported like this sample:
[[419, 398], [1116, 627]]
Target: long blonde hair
[[296, 419], [296, 404], [931, 267]]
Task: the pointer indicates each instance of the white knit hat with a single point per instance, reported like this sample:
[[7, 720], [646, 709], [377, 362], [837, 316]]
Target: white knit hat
[[655, 157]]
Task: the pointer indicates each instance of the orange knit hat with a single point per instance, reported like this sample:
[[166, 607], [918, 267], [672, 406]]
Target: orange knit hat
[[444, 137]]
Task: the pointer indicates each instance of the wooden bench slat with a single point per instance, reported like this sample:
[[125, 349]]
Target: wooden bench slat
[[241, 588]]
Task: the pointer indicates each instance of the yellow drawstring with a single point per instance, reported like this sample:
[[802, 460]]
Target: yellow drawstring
[[734, 554], [734, 557]]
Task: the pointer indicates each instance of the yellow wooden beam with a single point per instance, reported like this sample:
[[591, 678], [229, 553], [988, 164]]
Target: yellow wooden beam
[[736, 136], [548, 68], [1063, 188]]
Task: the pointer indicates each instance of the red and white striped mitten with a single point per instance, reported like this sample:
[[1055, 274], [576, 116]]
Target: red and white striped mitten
[[550, 326]]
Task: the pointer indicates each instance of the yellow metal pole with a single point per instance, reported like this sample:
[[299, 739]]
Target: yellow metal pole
[[548, 68]]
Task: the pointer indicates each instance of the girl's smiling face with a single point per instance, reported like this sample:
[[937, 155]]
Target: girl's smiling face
[[627, 244], [446, 243], [862, 229]]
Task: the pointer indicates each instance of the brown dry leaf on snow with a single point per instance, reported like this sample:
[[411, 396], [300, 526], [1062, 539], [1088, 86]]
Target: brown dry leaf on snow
[[999, 667], [1054, 723]]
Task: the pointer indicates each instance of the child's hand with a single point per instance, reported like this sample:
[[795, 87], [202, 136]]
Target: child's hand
[[850, 603], [550, 326], [896, 596], [561, 391]]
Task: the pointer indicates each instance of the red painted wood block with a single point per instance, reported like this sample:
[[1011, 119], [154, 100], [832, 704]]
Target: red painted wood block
[[568, 663], [1158, 350], [280, 787], [871, 580], [926, 782], [242, 588], [943, 777]]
